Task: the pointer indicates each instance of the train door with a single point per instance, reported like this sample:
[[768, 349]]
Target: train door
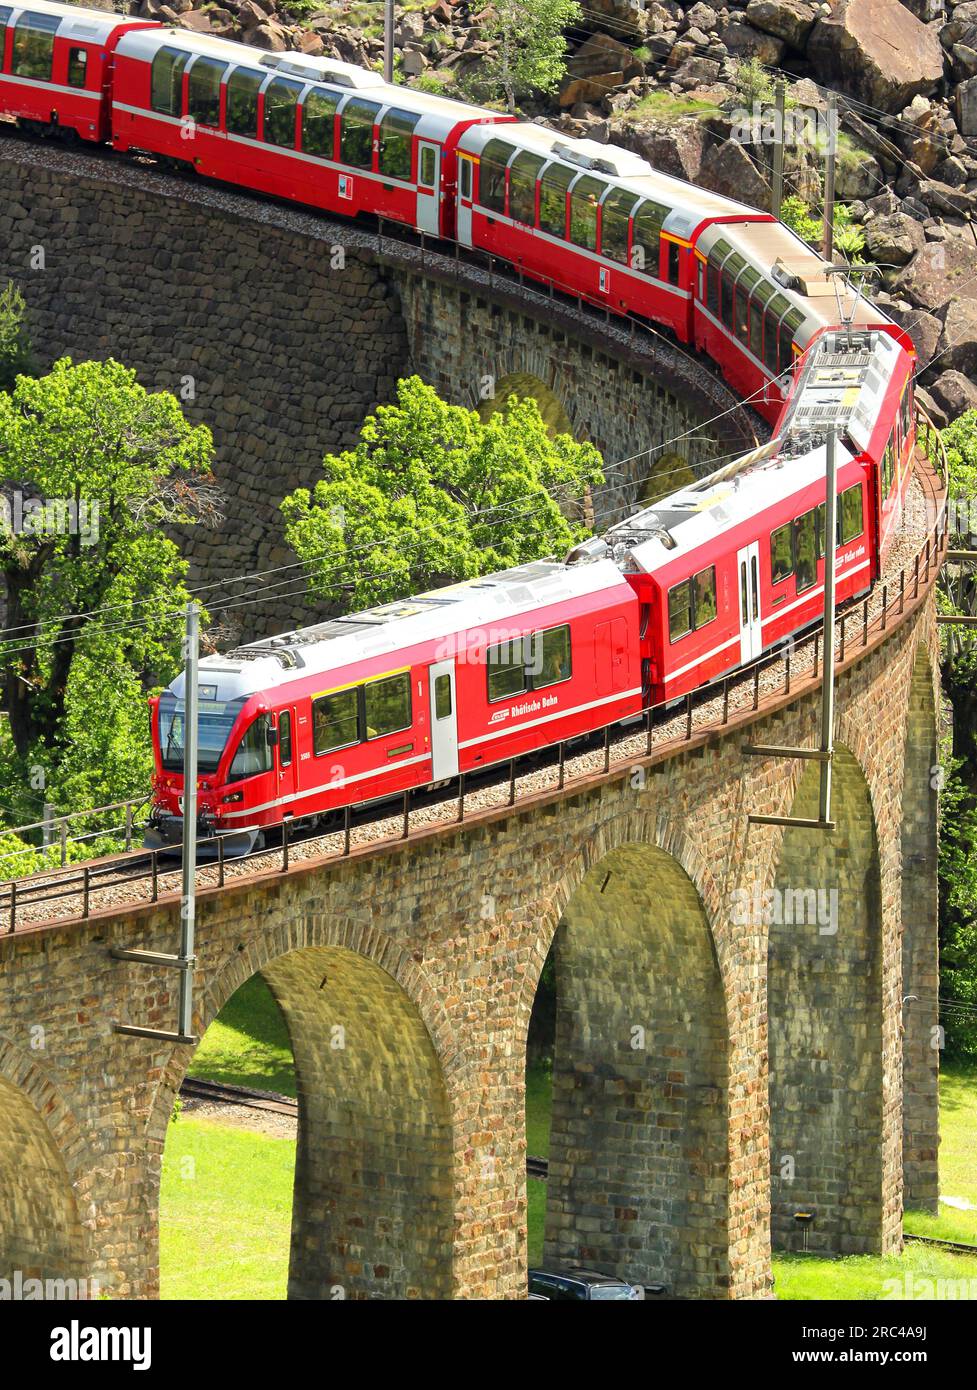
[[286, 753], [428, 187], [611, 654], [466, 183], [751, 632], [444, 721]]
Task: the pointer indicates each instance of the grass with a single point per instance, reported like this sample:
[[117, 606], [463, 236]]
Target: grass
[[665, 106], [229, 1191], [248, 1044], [225, 1213]]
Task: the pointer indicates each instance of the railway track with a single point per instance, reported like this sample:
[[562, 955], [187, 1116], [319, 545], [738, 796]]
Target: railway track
[[223, 1093], [958, 1246]]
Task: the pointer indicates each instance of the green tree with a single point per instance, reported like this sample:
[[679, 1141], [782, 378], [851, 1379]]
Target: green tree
[[15, 348], [848, 238], [531, 48], [431, 495], [92, 467]]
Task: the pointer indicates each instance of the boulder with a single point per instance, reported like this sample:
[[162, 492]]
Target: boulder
[[940, 270], [743, 41], [964, 61], [966, 99], [954, 393], [673, 149], [701, 16], [877, 51], [728, 169], [574, 90], [957, 344], [625, 18], [944, 199], [858, 178], [961, 27], [196, 21], [926, 10], [697, 72], [601, 54], [923, 328], [893, 240], [790, 20], [271, 37]]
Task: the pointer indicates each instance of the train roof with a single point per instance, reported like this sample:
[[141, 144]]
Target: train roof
[[495, 602], [77, 21], [694, 516], [439, 114], [689, 204]]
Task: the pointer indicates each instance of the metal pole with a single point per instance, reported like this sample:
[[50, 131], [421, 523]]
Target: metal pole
[[388, 40], [48, 827], [828, 668], [777, 195], [827, 249], [188, 896]]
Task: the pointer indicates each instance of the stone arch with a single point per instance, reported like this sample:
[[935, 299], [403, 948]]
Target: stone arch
[[373, 1212], [41, 1231], [920, 942], [523, 384], [824, 993], [639, 1155]]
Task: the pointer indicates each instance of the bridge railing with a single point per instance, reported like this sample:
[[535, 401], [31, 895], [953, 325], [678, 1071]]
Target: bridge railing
[[662, 727], [61, 831]]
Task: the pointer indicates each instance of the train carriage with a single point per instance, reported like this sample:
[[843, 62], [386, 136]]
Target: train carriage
[[324, 133], [56, 64], [368, 706]]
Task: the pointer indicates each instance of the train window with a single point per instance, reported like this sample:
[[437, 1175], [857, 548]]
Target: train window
[[679, 610], [756, 329], [672, 262], [851, 513], [281, 104], [741, 317], [465, 183], [356, 132], [646, 240], [387, 705], [712, 288], [396, 138], [34, 45], [77, 64], [887, 469], [285, 738], [241, 116], [744, 596], [506, 664], [253, 752], [428, 169], [616, 211], [522, 186], [585, 196], [805, 550], [319, 122], [906, 410], [166, 87], [553, 185], [5, 13], [788, 328], [335, 720], [781, 556], [491, 174], [704, 596], [726, 306], [551, 657], [442, 696], [204, 91], [776, 309]]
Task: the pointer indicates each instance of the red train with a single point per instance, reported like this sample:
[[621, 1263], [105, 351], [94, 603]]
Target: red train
[[708, 579]]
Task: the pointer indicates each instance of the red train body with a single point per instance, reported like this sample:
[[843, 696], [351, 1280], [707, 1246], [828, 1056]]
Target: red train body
[[702, 582]]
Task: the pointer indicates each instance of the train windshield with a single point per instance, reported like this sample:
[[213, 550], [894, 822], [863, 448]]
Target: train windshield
[[214, 724]]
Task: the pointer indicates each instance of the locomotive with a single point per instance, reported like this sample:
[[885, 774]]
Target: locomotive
[[407, 694]]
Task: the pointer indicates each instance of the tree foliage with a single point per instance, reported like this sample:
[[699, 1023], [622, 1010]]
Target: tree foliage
[[531, 48], [15, 348], [848, 237], [92, 467], [430, 495]]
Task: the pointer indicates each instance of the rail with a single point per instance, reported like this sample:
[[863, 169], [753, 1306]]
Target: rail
[[859, 623], [54, 828]]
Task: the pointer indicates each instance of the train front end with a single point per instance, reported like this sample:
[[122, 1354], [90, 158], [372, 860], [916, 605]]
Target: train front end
[[235, 763]]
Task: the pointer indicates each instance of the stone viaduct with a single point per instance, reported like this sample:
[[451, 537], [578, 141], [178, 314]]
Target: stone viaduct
[[721, 1064]]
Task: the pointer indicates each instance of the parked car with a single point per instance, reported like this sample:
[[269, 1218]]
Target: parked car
[[574, 1284]]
